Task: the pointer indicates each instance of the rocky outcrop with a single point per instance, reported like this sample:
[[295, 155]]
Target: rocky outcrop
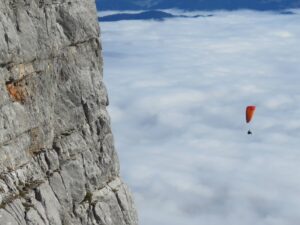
[[58, 165]]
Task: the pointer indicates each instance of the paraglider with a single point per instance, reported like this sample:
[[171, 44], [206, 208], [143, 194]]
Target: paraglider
[[249, 115]]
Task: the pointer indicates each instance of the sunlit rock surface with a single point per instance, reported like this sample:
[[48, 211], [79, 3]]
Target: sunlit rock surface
[[58, 165]]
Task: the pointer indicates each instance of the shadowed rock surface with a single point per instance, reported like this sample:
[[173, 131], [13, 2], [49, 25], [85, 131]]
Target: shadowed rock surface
[[58, 165]]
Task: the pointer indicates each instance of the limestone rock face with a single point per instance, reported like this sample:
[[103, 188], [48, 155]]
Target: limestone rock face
[[58, 165]]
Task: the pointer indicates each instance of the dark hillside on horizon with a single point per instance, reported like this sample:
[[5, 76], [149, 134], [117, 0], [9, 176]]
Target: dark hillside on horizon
[[146, 15]]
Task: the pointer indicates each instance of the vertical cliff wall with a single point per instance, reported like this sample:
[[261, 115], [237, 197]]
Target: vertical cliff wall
[[58, 165]]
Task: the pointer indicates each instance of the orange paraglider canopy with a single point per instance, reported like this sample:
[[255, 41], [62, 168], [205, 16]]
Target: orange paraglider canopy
[[250, 112]]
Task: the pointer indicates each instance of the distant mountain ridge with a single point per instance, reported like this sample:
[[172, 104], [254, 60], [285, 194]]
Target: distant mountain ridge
[[147, 15], [197, 4]]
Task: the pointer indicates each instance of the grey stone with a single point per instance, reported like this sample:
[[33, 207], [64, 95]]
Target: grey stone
[[58, 163], [33, 218], [7, 218]]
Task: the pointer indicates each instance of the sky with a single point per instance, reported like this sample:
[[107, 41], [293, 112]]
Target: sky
[[178, 91], [197, 4]]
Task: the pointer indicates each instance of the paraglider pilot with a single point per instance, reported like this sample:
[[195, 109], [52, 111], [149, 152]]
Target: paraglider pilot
[[249, 114]]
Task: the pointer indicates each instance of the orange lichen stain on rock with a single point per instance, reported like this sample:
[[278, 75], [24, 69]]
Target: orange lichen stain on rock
[[16, 92]]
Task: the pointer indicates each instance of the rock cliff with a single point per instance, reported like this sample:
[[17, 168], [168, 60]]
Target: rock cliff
[[58, 165]]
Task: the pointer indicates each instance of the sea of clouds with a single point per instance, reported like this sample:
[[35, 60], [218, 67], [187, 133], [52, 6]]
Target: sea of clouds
[[178, 91]]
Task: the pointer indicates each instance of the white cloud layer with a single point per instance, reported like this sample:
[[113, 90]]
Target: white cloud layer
[[178, 90]]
